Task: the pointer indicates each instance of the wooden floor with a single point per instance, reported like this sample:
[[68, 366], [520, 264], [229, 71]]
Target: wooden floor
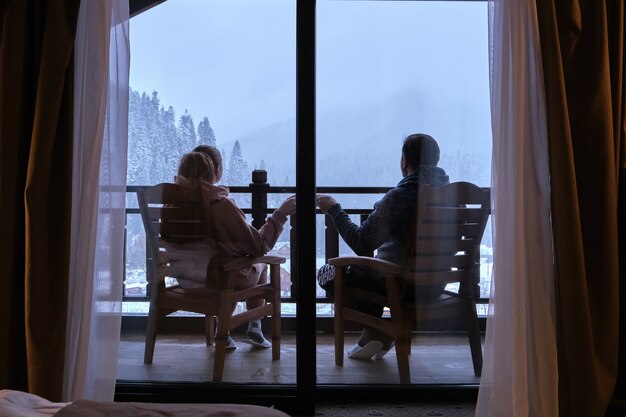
[[436, 358]]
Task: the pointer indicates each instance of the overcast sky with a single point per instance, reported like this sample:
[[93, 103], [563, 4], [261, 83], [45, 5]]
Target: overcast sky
[[234, 60]]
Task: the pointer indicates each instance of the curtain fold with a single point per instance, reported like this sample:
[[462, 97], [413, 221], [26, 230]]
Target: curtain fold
[[582, 46], [36, 85], [519, 375], [99, 203]]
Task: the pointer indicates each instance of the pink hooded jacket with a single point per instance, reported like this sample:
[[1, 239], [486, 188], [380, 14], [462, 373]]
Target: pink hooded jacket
[[234, 237]]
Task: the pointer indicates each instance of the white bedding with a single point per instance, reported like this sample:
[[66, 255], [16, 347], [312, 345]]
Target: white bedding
[[22, 404]]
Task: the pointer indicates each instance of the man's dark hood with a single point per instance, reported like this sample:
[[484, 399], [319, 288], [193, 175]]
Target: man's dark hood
[[425, 174]]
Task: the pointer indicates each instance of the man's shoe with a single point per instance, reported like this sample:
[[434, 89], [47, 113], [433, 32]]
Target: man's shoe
[[384, 351], [256, 338], [368, 351]]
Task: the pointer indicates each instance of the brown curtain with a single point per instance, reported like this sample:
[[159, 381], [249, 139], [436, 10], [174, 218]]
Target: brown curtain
[[36, 90], [582, 44]]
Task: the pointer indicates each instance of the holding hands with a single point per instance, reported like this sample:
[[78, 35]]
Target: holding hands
[[288, 207], [325, 202]]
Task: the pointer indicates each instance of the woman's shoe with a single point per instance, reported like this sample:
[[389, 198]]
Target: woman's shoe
[[230, 344], [256, 338]]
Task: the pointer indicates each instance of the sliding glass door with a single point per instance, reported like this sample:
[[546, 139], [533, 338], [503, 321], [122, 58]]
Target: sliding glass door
[[306, 98]]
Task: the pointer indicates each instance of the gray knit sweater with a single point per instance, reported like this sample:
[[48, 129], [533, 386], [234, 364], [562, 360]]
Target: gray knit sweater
[[387, 226]]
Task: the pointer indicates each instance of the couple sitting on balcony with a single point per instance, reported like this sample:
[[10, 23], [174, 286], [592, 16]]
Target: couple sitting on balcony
[[385, 230]]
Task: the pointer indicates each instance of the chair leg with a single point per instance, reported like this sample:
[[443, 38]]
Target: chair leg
[[403, 349], [473, 332], [223, 327], [220, 358], [339, 325], [153, 317], [276, 330], [339, 341], [209, 324]]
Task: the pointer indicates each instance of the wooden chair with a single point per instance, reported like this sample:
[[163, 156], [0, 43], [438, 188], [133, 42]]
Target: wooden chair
[[444, 248], [180, 241]]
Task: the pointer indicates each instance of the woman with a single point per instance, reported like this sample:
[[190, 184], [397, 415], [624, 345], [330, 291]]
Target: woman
[[234, 236]]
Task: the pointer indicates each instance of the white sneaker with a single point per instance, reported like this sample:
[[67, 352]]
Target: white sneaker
[[230, 344], [256, 338], [370, 349], [383, 352]]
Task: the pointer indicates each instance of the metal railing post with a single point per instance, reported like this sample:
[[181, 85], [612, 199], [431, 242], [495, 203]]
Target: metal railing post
[[331, 247], [259, 187]]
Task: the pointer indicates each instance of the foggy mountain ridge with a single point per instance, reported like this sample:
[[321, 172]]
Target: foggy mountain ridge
[[362, 144]]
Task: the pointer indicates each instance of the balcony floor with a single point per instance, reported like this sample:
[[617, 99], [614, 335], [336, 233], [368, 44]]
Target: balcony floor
[[436, 358]]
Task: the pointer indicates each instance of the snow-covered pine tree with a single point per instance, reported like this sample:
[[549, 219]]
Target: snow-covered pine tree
[[137, 172], [206, 136], [172, 149], [153, 127], [237, 173], [187, 132], [224, 166]]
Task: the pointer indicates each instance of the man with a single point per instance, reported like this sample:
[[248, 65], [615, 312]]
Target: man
[[385, 231]]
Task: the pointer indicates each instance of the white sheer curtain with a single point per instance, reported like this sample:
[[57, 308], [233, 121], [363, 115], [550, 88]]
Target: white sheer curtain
[[98, 201], [520, 371]]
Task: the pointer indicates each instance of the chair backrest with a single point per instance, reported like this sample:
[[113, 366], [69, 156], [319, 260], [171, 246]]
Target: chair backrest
[[178, 232], [448, 228]]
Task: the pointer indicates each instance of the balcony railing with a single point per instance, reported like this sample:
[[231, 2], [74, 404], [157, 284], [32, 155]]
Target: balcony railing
[[259, 190]]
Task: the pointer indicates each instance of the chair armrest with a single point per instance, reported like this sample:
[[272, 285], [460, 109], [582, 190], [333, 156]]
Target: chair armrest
[[379, 265], [246, 261]]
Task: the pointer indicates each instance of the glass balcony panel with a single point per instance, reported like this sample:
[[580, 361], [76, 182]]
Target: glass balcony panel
[[219, 73], [385, 70]]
